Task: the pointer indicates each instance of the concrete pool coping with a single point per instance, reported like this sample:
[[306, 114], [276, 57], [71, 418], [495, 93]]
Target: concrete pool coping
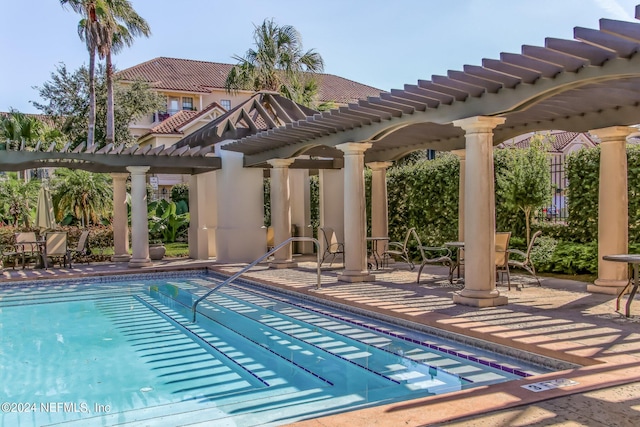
[[560, 319]]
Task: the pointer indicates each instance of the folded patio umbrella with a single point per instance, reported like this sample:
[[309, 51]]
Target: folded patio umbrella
[[45, 218]]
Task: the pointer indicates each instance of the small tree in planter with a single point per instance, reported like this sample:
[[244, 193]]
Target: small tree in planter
[[525, 184]]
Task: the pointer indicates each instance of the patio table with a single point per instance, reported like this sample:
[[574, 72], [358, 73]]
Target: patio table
[[459, 262], [374, 250], [633, 260]]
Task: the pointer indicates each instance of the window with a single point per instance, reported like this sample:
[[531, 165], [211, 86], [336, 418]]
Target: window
[[226, 104], [173, 105], [187, 103]]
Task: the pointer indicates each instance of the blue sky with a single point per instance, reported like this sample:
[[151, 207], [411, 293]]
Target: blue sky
[[382, 43]]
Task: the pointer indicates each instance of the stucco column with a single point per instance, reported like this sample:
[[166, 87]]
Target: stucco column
[[331, 203], [139, 220], [300, 190], [480, 225], [203, 208], [355, 220], [281, 212], [613, 209], [462, 157], [379, 205], [239, 198], [120, 223]]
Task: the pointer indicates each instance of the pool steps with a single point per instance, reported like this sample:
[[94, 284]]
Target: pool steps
[[360, 341]]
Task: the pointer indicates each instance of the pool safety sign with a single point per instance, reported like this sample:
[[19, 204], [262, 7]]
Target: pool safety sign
[[548, 385]]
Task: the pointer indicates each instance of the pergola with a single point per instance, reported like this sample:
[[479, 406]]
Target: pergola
[[590, 84], [120, 162]]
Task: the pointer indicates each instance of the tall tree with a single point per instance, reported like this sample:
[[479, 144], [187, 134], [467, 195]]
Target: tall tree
[[278, 63], [89, 32], [65, 98], [107, 27], [120, 25]]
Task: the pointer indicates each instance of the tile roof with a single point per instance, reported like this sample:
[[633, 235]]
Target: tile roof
[[341, 90], [559, 140], [172, 124], [200, 76]]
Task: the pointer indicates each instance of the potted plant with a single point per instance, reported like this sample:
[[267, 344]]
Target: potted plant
[[156, 249]]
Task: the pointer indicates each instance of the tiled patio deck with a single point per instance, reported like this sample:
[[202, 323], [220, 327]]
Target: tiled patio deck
[[559, 319]]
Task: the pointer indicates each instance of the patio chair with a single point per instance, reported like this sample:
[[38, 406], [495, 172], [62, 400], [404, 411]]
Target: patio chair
[[9, 256], [432, 255], [26, 247], [331, 245], [82, 252], [525, 262], [400, 249], [502, 256], [56, 249]]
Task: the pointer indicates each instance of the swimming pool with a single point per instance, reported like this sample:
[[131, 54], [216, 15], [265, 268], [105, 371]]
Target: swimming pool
[[123, 350]]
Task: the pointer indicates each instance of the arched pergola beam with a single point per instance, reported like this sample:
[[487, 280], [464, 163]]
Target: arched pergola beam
[[506, 103]]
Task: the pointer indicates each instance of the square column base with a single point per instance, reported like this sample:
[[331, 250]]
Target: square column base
[[609, 287], [480, 302], [138, 263], [356, 277], [283, 264], [121, 258]]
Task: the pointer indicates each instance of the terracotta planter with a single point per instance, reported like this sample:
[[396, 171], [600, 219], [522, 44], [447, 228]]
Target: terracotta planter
[[156, 251]]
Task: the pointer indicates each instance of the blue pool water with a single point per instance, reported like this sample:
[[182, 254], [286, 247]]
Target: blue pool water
[[125, 352]]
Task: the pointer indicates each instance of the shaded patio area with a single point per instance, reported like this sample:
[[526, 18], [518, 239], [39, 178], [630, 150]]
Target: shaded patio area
[[559, 320]]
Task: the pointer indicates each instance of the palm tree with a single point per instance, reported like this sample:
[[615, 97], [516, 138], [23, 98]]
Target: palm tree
[[89, 32], [20, 127], [16, 199], [278, 64], [17, 126], [88, 196], [120, 25], [108, 26]]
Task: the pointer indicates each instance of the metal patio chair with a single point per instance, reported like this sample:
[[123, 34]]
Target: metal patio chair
[[56, 249], [435, 255], [401, 249], [82, 252], [331, 245], [502, 256], [523, 260]]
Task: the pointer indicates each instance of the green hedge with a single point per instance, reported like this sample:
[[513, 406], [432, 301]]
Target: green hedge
[[582, 171], [425, 196]]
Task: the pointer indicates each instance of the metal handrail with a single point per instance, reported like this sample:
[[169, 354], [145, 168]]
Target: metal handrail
[[248, 267]]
